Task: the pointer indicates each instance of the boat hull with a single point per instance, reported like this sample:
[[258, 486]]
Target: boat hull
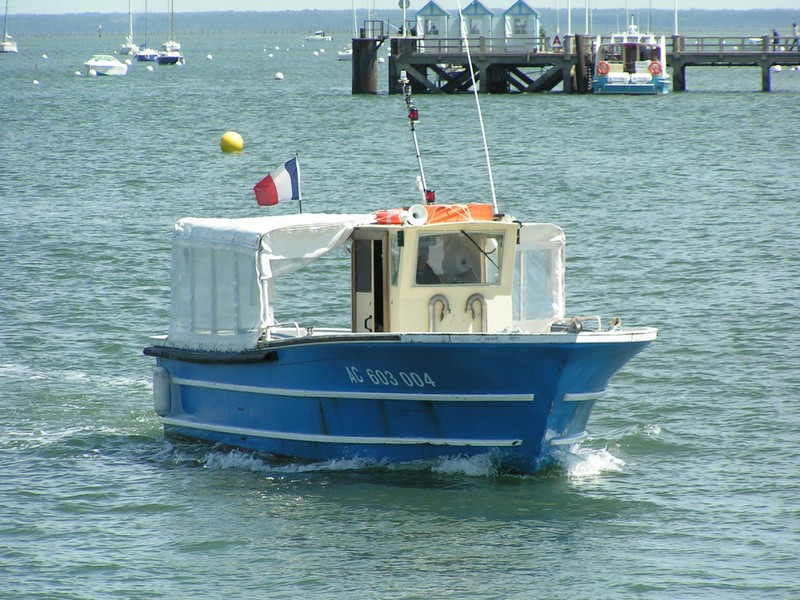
[[106, 70], [146, 56], [394, 398], [170, 57], [650, 88]]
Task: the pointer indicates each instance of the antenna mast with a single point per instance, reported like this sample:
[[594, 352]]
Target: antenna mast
[[428, 196], [477, 104]]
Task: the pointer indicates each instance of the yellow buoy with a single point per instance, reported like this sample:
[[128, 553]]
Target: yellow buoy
[[231, 142]]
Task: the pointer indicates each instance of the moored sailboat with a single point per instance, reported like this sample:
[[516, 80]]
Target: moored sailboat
[[145, 53], [170, 53], [8, 44], [129, 47]]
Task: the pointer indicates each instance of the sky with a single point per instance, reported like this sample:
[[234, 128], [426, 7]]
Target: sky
[[121, 6]]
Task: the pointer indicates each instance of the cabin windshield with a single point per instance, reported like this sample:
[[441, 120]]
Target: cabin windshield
[[459, 257]]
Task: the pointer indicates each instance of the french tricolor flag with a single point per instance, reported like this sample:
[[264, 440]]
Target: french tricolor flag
[[281, 184]]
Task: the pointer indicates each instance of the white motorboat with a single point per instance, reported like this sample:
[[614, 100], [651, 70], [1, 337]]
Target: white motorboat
[[105, 64], [319, 36], [346, 54]]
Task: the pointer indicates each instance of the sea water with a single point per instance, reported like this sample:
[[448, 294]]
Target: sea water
[[681, 212]]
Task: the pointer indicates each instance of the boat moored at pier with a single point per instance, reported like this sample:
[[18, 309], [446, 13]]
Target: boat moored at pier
[[631, 63]]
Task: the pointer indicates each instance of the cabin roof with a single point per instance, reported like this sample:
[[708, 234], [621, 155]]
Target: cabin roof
[[432, 9], [476, 9], [520, 7]]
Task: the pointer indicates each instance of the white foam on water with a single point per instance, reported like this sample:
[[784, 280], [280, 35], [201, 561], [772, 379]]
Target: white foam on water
[[480, 465], [587, 462], [242, 460], [652, 430]]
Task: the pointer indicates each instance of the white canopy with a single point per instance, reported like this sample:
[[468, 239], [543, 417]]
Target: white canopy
[[222, 271]]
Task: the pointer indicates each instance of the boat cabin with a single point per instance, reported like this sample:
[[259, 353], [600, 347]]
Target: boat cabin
[[428, 269], [453, 277], [640, 55]]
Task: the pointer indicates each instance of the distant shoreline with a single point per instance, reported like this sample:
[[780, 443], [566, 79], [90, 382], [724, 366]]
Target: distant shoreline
[[691, 22]]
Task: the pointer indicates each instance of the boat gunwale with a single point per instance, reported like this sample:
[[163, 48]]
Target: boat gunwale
[[265, 352]]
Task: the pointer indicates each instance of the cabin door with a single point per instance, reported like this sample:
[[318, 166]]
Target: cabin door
[[369, 284]]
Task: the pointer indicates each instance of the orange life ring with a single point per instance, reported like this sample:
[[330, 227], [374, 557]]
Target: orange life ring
[[603, 67], [654, 68]]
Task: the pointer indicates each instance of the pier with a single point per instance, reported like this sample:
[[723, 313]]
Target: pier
[[540, 64]]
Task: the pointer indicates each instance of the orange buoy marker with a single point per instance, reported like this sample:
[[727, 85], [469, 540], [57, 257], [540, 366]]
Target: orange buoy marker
[[231, 142]]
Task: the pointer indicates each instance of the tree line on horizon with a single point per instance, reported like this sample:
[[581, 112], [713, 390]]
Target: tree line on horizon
[[604, 21]]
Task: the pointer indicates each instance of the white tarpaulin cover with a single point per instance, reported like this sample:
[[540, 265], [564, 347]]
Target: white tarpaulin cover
[[539, 292], [222, 271]]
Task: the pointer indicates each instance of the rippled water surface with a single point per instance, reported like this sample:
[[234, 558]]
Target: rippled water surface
[[680, 212]]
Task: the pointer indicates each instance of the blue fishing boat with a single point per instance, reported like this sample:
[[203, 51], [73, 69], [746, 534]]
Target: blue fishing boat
[[631, 63], [459, 343]]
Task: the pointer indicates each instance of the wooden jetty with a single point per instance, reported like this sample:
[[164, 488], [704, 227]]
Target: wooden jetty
[[539, 64]]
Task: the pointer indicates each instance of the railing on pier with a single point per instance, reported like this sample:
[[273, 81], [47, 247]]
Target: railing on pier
[[683, 44], [430, 45], [698, 45]]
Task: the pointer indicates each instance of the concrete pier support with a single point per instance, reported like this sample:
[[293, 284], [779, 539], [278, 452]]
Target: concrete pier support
[[365, 66], [679, 77], [766, 79], [583, 80]]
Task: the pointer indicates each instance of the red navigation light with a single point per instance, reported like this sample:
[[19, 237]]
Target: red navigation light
[[430, 196], [413, 114]]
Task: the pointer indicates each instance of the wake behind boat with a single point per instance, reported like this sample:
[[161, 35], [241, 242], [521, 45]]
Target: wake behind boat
[[631, 63], [459, 342]]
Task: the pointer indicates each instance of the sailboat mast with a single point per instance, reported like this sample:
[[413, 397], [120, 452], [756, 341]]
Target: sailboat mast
[[5, 23]]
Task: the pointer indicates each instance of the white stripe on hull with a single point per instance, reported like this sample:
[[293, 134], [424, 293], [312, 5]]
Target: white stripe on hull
[[252, 389], [338, 439]]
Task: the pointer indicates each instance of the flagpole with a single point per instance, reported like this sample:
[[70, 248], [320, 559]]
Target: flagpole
[[299, 189]]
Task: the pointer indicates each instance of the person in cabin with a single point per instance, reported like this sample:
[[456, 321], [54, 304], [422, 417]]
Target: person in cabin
[[425, 274]]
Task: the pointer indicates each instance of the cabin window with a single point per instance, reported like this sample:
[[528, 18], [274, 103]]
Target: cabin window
[[630, 56], [394, 251], [534, 284], [431, 27], [363, 266], [520, 26], [651, 53], [611, 53], [459, 257]]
